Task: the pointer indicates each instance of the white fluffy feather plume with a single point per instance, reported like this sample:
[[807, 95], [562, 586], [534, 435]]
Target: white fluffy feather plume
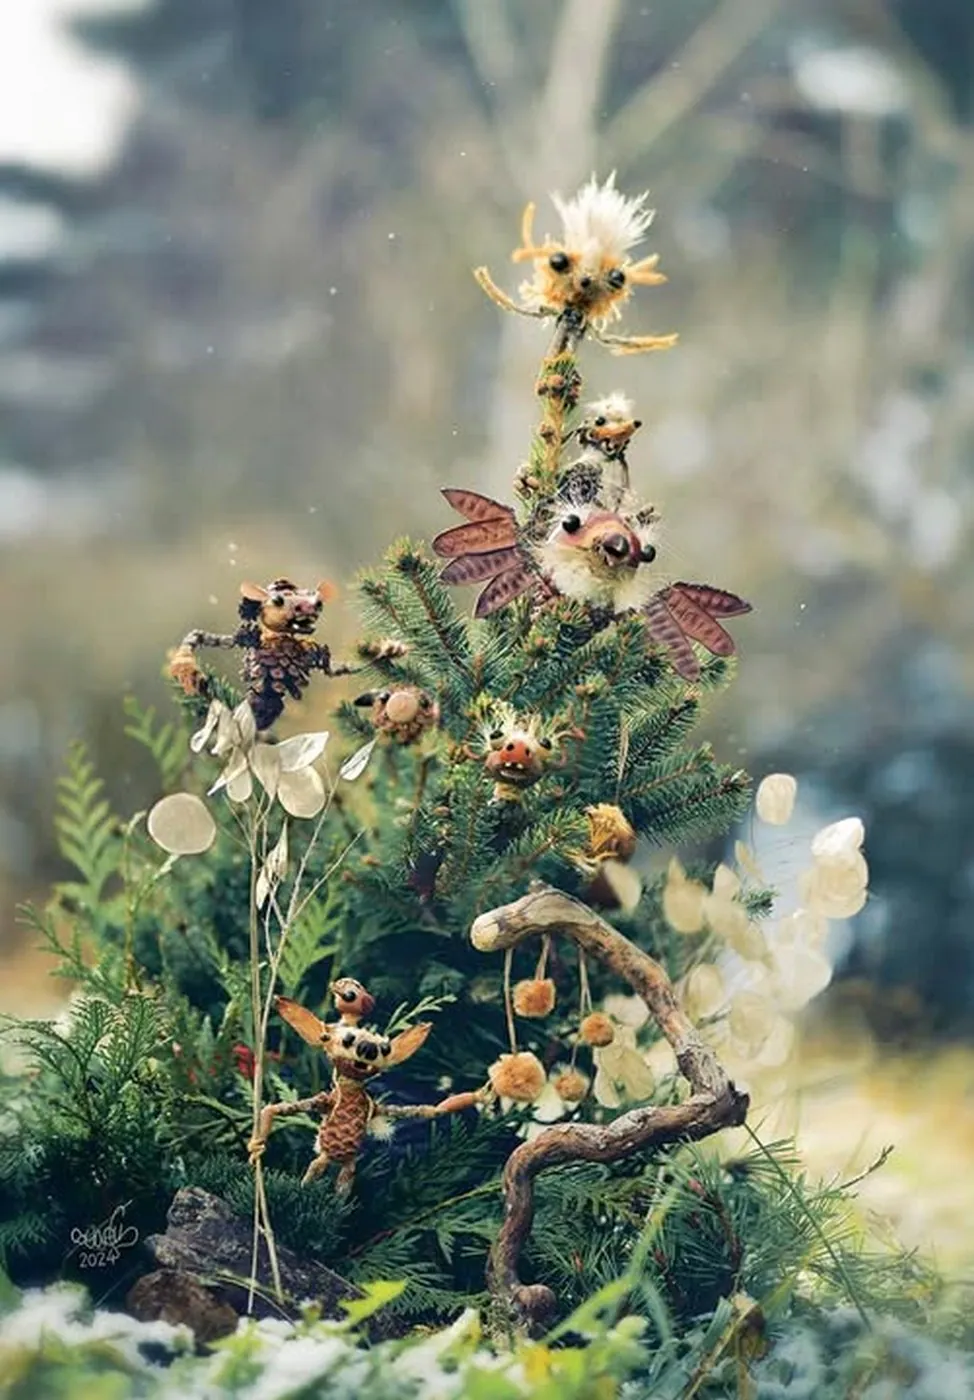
[[600, 221]]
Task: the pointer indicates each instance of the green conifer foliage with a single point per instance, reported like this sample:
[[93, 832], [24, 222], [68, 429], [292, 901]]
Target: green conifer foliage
[[148, 1084]]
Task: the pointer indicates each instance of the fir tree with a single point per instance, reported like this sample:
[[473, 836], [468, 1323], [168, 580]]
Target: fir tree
[[498, 758]]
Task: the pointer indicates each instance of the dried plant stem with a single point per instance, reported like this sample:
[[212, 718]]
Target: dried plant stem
[[714, 1104]]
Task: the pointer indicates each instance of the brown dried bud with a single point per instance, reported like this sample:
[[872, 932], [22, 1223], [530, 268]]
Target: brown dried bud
[[534, 997], [519, 1076], [611, 837], [597, 1030], [571, 1085]]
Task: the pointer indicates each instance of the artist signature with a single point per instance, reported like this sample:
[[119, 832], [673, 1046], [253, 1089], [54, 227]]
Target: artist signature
[[102, 1244]]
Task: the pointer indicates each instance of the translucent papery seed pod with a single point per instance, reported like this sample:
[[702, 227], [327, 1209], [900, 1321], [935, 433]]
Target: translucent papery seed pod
[[182, 824], [777, 1049], [751, 1021], [839, 839], [627, 1010], [302, 793], [731, 921], [775, 798], [835, 889], [726, 883], [800, 973], [683, 900], [802, 926], [703, 991]]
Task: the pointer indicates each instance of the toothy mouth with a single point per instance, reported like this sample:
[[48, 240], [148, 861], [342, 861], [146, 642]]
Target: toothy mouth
[[304, 626], [516, 773]]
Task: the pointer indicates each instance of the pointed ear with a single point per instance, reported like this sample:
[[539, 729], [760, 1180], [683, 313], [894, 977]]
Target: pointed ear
[[408, 1042], [253, 593], [305, 1022], [327, 591]]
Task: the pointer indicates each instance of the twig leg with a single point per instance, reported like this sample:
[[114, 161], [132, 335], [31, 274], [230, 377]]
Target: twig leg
[[318, 1165], [343, 1182]]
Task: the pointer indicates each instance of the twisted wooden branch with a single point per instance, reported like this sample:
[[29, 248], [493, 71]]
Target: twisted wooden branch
[[715, 1102]]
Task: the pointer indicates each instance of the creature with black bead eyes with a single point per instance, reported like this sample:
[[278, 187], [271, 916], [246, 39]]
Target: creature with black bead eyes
[[276, 634], [357, 1054]]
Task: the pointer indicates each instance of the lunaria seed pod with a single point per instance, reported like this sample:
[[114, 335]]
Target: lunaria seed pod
[[534, 997], [519, 1076], [596, 1030]]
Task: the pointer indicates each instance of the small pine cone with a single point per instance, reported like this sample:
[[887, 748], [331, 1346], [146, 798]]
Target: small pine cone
[[520, 1076], [597, 1030], [571, 1085], [535, 997]]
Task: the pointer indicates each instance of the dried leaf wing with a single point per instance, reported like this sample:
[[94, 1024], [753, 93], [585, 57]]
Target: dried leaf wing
[[504, 589], [299, 1018], [474, 568], [476, 537], [475, 506], [408, 1042], [663, 627], [698, 624], [716, 602]]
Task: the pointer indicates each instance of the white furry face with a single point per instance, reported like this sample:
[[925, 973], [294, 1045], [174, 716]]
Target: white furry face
[[353, 1048], [601, 558]]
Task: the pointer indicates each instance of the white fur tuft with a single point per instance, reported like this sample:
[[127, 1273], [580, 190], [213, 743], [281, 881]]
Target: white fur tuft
[[616, 407], [602, 222]]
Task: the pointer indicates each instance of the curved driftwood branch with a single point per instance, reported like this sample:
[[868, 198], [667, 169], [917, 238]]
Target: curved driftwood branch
[[715, 1102]]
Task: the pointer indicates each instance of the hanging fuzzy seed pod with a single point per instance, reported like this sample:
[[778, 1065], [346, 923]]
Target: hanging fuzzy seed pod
[[596, 1030], [571, 1085], [519, 1076], [534, 997]]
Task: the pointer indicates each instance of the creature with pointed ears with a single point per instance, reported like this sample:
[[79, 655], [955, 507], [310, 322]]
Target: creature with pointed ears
[[276, 634], [348, 1111]]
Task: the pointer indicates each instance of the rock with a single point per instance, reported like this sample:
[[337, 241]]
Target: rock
[[170, 1295], [205, 1238]]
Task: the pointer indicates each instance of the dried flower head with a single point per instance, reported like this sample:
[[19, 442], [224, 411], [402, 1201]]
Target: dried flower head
[[571, 1085], [535, 997], [588, 267], [587, 270], [519, 1076], [596, 1029]]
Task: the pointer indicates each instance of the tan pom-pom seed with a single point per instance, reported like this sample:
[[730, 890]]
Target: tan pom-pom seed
[[571, 1085], [597, 1030], [520, 1076], [534, 997]]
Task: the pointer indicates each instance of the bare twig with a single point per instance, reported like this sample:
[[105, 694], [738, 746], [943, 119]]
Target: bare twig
[[715, 1102]]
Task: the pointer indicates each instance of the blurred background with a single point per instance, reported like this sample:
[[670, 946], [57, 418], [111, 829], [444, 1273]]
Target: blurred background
[[239, 337]]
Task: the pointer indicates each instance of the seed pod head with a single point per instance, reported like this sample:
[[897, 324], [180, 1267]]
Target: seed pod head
[[571, 1085], [534, 997], [519, 1076], [597, 1030]]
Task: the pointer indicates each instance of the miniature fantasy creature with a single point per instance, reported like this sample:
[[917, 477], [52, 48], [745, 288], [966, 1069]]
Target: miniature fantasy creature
[[404, 713], [518, 751], [596, 556], [357, 1054], [276, 635], [586, 276], [600, 472]]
